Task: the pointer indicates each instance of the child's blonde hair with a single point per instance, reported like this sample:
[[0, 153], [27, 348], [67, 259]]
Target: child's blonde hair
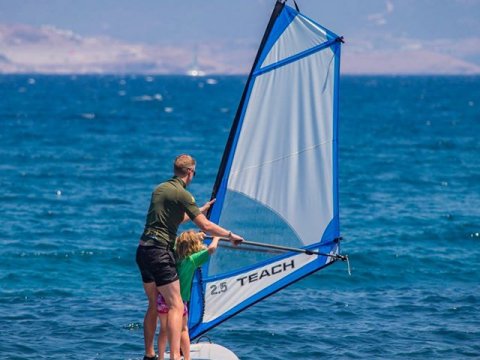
[[188, 243]]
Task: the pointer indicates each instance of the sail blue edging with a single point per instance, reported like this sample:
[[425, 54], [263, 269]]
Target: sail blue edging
[[218, 205], [293, 58], [330, 35], [317, 264], [283, 20], [327, 239], [281, 24], [327, 243], [336, 92], [196, 303]]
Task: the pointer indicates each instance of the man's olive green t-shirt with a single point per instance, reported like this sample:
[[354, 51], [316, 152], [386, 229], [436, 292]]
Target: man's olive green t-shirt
[[169, 203], [186, 269]]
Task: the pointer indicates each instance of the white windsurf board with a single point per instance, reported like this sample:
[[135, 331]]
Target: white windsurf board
[[209, 351]]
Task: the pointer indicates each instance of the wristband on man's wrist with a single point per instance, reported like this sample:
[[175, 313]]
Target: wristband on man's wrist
[[229, 234]]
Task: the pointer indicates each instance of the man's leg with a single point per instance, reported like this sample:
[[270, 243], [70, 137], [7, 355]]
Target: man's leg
[[162, 336], [150, 320], [171, 294]]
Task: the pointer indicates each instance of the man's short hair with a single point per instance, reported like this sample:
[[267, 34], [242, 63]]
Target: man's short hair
[[182, 163]]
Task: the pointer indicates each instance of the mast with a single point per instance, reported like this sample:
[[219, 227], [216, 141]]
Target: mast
[[279, 5]]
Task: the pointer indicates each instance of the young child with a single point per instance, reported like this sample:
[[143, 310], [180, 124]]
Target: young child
[[191, 253]]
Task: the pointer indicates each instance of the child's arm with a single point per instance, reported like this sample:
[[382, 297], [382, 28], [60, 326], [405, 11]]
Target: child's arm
[[213, 245]]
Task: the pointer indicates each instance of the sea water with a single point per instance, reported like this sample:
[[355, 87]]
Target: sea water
[[80, 155]]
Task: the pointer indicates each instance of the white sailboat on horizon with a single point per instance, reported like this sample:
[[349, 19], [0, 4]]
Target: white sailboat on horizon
[[194, 69]]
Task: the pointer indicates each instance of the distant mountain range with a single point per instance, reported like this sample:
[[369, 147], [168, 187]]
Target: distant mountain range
[[47, 49]]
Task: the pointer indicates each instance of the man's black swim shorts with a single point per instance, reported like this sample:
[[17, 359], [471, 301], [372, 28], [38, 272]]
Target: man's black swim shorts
[[156, 265]]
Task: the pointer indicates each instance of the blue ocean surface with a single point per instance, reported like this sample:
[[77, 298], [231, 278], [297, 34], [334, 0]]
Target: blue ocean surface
[[80, 155]]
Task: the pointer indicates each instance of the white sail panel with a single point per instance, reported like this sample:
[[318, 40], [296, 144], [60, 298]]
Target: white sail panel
[[277, 182], [300, 35], [223, 295], [272, 163]]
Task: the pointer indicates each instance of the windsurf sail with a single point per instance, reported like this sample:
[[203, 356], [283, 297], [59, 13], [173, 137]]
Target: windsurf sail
[[278, 179]]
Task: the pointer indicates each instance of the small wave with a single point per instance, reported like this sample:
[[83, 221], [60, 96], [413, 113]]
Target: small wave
[[143, 98], [147, 98], [88, 116], [133, 326], [212, 81]]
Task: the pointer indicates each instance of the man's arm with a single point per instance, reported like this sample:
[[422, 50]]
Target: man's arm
[[185, 218], [203, 209], [213, 229], [207, 206]]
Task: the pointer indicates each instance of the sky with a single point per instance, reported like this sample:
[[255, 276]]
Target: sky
[[399, 36]]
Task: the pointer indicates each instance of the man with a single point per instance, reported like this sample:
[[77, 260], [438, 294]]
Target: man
[[170, 205]]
